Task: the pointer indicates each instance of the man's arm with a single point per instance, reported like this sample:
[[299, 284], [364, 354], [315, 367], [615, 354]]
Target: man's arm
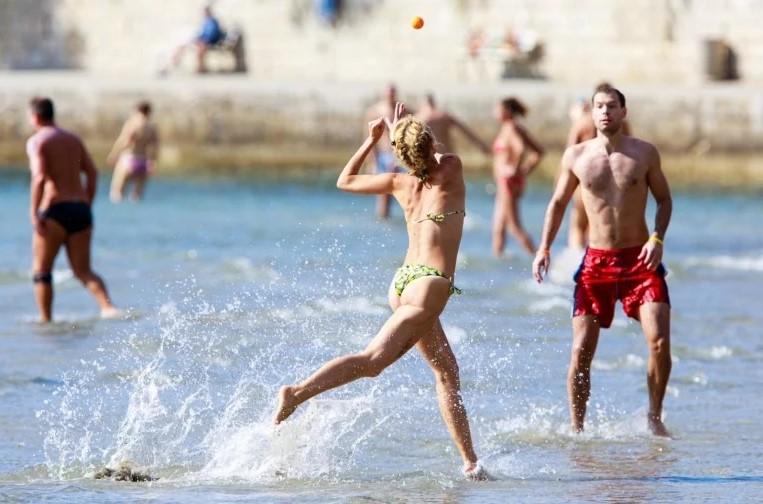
[[91, 174], [565, 188], [38, 169], [573, 137], [651, 253], [658, 185], [350, 181], [469, 134]]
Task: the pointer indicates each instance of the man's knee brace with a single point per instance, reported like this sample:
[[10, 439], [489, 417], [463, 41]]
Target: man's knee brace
[[43, 278]]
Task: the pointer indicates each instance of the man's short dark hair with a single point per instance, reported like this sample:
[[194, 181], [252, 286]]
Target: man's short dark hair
[[610, 90], [143, 107], [42, 107]]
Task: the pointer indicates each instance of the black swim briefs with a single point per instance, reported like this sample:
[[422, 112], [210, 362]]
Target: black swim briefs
[[73, 216]]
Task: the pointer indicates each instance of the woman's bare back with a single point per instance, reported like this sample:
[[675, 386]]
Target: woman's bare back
[[434, 213]]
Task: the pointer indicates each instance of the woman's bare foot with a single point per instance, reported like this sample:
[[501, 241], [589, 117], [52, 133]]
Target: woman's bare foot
[[475, 472], [657, 427], [287, 403]]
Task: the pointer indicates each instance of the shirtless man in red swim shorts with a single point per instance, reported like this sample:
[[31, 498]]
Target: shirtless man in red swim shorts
[[60, 208], [615, 173]]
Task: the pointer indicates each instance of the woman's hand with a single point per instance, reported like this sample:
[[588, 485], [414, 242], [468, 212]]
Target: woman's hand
[[400, 112], [376, 129]]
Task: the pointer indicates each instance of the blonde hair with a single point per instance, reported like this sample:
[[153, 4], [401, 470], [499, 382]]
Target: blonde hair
[[413, 142]]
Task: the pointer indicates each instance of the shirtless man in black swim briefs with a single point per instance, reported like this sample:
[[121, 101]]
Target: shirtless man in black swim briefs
[[60, 207]]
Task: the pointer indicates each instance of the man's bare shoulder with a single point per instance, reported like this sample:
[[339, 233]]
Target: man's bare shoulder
[[575, 151], [72, 139], [642, 147]]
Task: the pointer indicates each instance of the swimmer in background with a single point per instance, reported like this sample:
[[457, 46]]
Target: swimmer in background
[[442, 123], [515, 155], [383, 154], [60, 208], [583, 129], [432, 196], [134, 154], [615, 173]]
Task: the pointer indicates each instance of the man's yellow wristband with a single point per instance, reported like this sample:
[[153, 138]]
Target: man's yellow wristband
[[656, 239]]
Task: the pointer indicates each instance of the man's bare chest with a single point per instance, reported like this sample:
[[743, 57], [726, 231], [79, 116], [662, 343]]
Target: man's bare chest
[[602, 173]]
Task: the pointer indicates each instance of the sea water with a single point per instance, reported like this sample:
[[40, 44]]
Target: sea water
[[236, 286]]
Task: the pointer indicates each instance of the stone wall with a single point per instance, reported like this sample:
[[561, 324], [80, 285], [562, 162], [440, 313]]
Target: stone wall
[[228, 120], [627, 41]]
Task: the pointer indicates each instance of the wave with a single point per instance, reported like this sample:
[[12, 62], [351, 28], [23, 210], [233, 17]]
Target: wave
[[550, 304], [16, 276], [629, 361], [753, 263], [352, 305], [540, 425], [250, 271], [712, 353], [564, 265]]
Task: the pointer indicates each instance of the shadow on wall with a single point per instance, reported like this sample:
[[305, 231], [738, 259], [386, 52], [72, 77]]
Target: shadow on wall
[[31, 37]]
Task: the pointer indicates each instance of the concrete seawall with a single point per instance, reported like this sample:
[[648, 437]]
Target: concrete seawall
[[713, 134]]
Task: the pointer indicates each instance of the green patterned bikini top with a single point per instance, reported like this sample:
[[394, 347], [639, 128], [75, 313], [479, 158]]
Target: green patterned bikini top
[[440, 217]]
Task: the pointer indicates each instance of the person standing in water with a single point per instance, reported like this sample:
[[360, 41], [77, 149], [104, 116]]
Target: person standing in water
[[442, 124], [383, 154], [432, 196], [60, 207], [515, 155], [583, 129], [134, 154], [615, 174]]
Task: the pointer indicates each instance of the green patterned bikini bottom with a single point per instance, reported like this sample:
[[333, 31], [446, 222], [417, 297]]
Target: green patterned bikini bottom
[[407, 273]]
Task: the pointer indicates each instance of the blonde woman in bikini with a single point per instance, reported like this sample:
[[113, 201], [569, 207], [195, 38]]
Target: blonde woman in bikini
[[515, 156], [134, 154], [432, 196]]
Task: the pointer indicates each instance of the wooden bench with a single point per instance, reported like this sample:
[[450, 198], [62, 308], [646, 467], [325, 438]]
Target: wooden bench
[[232, 44]]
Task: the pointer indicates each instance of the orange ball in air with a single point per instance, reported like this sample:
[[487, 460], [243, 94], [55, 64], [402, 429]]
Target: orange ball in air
[[417, 22]]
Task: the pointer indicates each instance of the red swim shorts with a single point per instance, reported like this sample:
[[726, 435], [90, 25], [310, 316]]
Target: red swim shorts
[[605, 276]]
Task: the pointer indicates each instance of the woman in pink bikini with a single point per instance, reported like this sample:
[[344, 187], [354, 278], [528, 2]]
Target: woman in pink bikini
[[134, 154], [515, 156]]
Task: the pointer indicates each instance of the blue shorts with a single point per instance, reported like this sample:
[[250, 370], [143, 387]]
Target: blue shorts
[[385, 163]]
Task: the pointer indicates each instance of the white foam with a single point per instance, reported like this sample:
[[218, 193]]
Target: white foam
[[351, 305], [564, 265], [629, 361], [718, 352], [545, 289], [251, 271], [550, 304], [307, 445], [454, 334], [540, 424], [729, 262]]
